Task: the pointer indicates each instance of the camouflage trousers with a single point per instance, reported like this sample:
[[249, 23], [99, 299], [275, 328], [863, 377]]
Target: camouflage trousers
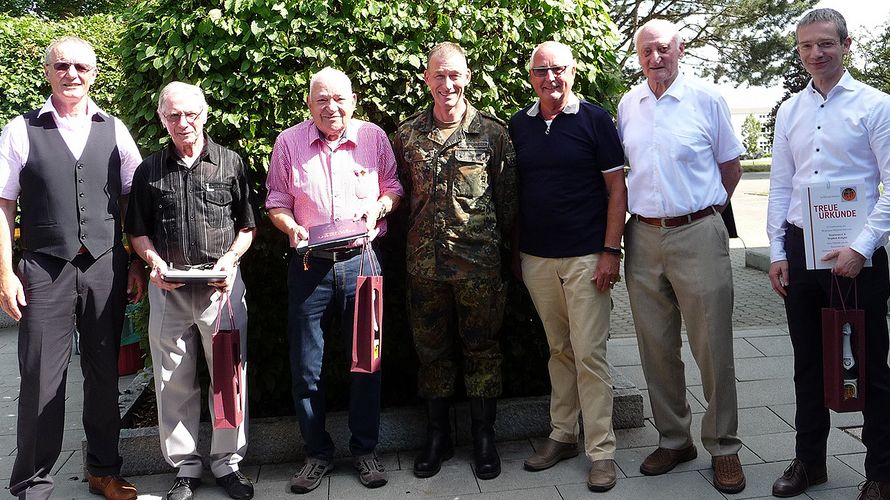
[[478, 307]]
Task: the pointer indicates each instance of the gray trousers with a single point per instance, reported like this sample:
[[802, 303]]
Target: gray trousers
[[181, 322], [88, 294]]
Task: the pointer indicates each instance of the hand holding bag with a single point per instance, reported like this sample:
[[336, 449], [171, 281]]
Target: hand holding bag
[[843, 352], [367, 325], [228, 397]]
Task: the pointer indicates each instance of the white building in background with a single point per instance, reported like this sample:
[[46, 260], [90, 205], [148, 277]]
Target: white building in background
[[757, 101]]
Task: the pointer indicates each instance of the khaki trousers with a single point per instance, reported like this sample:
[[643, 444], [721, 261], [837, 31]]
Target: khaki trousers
[[181, 322], [685, 270], [576, 320]]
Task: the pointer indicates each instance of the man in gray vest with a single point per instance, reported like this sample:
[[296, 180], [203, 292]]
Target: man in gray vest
[[69, 166]]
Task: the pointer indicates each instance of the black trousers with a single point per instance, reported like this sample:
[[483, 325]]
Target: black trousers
[[90, 295], [808, 293]]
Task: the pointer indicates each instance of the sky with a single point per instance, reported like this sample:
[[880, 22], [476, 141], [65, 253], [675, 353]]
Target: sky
[[860, 14]]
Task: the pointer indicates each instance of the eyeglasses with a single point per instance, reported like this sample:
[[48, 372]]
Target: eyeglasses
[[557, 70], [190, 116], [63, 67], [822, 44]]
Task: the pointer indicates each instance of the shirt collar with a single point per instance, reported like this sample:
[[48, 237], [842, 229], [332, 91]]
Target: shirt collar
[[470, 122], [572, 107], [349, 135], [677, 90], [92, 108], [847, 82], [209, 153]]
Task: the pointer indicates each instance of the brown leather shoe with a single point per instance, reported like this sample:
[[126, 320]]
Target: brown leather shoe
[[663, 460], [874, 490], [798, 477], [550, 454], [602, 475], [112, 487], [728, 474]]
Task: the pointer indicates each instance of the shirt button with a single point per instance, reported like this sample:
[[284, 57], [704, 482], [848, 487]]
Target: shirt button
[[81, 195], [821, 105], [83, 209], [819, 128], [817, 150], [80, 181]]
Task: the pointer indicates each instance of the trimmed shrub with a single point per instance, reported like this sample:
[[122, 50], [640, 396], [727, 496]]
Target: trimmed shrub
[[254, 59]]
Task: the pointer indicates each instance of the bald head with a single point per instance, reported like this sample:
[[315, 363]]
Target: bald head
[[661, 26], [560, 50]]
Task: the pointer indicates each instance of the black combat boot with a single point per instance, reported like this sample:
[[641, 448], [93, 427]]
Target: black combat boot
[[485, 455], [438, 446]]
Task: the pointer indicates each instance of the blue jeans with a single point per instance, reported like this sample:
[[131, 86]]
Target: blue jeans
[[314, 297]]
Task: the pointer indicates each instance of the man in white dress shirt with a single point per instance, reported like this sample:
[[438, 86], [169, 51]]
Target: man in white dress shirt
[[834, 129], [684, 166]]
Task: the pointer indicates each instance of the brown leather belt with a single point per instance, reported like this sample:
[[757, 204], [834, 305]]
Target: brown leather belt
[[682, 220]]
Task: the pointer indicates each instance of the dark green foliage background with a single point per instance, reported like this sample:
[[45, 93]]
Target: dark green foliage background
[[254, 59]]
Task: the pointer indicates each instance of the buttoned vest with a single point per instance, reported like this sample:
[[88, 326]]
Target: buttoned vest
[[69, 202]]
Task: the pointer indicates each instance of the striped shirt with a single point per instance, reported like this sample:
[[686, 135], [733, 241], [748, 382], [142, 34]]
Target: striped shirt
[[190, 214], [321, 183]]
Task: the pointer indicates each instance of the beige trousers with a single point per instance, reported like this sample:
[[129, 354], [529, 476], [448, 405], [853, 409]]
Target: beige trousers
[[685, 270], [576, 320], [181, 322]]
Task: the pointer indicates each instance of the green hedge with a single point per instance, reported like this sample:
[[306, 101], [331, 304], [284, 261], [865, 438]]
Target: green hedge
[[23, 41], [254, 58]]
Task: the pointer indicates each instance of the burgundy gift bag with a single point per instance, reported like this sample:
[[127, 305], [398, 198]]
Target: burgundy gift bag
[[228, 397], [367, 325], [843, 352]]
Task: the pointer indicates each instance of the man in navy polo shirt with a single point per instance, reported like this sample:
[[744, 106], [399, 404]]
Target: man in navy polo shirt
[[571, 217]]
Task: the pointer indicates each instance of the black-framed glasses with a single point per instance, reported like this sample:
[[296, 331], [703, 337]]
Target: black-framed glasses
[[541, 72], [190, 116], [63, 67]]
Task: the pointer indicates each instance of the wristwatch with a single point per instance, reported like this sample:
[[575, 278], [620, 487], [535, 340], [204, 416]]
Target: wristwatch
[[612, 250]]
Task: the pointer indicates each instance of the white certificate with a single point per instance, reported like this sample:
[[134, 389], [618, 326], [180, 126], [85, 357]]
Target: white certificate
[[833, 216]]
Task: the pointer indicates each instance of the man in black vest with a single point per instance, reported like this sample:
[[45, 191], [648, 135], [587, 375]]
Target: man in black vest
[[69, 165]]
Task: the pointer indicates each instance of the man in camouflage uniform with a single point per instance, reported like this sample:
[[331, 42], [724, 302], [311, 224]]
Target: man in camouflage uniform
[[457, 166]]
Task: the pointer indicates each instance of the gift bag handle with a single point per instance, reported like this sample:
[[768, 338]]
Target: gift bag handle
[[227, 299], [840, 293], [372, 259]]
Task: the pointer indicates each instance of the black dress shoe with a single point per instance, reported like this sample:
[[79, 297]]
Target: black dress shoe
[[798, 477], [183, 488], [237, 486]]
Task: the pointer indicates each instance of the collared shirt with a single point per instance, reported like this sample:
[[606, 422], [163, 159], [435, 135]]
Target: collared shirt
[[191, 214], [461, 192], [14, 146], [563, 199], [674, 145], [845, 136], [322, 185]]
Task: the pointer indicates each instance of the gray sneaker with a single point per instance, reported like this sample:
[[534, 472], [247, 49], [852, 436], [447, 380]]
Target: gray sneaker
[[370, 471], [310, 475]]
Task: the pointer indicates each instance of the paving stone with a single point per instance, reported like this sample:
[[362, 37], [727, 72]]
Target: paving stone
[[451, 482], [779, 345], [763, 368], [623, 355], [513, 476], [685, 485], [635, 438], [6, 463], [834, 494], [762, 332], [855, 461], [780, 447], [760, 420], [541, 493]]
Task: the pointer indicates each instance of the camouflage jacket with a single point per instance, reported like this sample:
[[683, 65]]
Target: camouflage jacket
[[461, 194]]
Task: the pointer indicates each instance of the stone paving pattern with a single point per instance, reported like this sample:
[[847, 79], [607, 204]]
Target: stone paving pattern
[[766, 419]]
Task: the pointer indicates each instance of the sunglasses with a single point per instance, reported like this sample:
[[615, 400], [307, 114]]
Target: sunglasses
[[79, 67]]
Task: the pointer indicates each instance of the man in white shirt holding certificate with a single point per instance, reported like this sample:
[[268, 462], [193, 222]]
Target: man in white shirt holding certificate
[[835, 129]]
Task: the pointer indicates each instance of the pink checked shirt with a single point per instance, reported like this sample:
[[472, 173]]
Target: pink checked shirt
[[319, 185]]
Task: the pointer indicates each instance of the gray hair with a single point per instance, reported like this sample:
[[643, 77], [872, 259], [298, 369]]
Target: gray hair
[[180, 88], [329, 73], [825, 16], [553, 44], [663, 24], [445, 49], [65, 40]]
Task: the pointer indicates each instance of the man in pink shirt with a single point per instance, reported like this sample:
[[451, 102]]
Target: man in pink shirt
[[329, 168]]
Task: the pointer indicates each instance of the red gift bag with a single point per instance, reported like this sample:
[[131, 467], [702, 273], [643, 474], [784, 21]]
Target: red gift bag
[[367, 325], [228, 397], [843, 353]]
